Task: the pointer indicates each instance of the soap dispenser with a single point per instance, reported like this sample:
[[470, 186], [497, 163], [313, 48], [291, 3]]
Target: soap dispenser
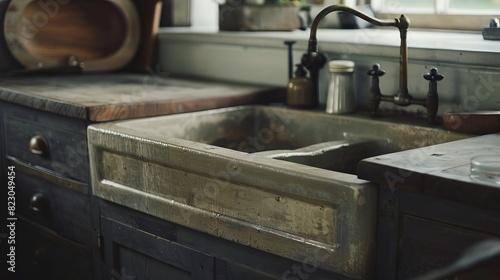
[[299, 92]]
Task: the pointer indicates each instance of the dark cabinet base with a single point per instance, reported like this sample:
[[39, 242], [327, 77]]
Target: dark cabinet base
[[419, 234], [130, 252], [53, 233], [138, 245], [42, 255]]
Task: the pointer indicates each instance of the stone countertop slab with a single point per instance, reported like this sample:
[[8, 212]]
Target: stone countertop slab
[[441, 170]]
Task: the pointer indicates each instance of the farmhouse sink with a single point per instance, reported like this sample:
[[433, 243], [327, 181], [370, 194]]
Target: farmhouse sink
[[335, 143], [276, 179]]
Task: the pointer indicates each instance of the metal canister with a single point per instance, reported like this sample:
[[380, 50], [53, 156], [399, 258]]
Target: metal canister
[[341, 97]]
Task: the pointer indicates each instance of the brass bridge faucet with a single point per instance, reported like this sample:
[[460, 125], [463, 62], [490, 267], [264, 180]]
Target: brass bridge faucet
[[313, 60]]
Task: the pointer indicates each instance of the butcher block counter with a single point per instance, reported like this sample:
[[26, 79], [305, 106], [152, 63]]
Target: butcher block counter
[[109, 97], [431, 212], [43, 136]]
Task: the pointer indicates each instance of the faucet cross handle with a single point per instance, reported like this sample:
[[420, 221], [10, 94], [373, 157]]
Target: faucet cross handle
[[432, 101], [433, 75], [375, 95], [376, 71]]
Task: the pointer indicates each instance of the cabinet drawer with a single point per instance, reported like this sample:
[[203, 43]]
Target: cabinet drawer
[[43, 139], [59, 209], [41, 255]]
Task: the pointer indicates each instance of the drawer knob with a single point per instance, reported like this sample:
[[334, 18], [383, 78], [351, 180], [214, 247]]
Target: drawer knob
[[40, 203], [39, 146]]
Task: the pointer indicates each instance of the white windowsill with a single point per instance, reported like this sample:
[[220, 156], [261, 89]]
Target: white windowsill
[[440, 46]]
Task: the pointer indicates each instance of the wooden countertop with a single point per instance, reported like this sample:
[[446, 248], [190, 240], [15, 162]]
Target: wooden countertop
[[107, 97], [440, 170]]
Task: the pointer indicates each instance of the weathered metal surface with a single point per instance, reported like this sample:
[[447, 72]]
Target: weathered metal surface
[[214, 171]]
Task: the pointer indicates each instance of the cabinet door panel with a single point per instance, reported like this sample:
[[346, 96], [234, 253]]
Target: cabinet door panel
[[133, 263], [145, 256], [43, 255], [426, 245]]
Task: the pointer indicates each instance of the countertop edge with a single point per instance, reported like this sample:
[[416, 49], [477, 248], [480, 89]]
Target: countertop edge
[[153, 108], [143, 106], [433, 179], [43, 103]]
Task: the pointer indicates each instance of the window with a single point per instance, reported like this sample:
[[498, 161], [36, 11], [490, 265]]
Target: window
[[445, 14]]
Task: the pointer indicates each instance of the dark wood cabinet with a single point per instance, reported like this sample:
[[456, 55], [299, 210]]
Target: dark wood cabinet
[[426, 245], [418, 234], [130, 252], [53, 229], [135, 244], [42, 254]]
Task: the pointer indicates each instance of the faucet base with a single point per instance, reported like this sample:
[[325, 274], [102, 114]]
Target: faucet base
[[404, 98], [407, 101]]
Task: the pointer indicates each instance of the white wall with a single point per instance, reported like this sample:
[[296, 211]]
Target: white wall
[[471, 66]]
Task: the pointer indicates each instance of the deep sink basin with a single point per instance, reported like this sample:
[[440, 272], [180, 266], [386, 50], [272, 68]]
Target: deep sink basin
[[335, 143], [275, 179]]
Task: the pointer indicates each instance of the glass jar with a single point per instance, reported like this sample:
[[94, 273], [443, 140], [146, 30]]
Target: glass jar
[[485, 169]]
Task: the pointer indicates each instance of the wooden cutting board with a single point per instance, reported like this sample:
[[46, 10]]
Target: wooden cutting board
[[102, 35]]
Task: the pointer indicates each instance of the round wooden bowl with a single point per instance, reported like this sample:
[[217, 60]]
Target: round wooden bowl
[[479, 122], [102, 34]]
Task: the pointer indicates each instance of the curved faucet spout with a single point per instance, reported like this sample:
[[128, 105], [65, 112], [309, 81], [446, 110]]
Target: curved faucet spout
[[313, 60], [402, 23]]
